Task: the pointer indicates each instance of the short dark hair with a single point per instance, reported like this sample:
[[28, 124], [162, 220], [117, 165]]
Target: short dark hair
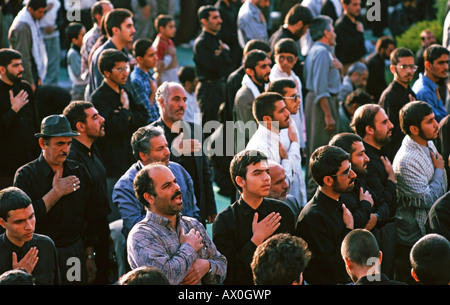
[[73, 30], [384, 42], [430, 259], [279, 85], [280, 260], [108, 59], [12, 198], [412, 114], [359, 246], [257, 44], [364, 116], [144, 275], [358, 97], [203, 11], [240, 162], [143, 183], [140, 46], [286, 45], [252, 58], [162, 20], [264, 104], [400, 53], [326, 161], [75, 112], [140, 140], [37, 4], [7, 55], [187, 74], [345, 141], [433, 52], [115, 18], [298, 13]]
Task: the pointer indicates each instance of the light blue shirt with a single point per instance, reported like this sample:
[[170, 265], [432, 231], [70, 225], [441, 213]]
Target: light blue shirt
[[425, 90], [251, 24]]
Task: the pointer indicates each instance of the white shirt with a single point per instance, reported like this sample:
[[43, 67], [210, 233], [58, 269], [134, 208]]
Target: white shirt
[[267, 142]]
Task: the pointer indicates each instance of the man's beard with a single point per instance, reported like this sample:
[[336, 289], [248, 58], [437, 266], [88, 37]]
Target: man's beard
[[13, 78]]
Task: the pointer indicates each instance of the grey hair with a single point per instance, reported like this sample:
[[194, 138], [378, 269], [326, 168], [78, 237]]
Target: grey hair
[[318, 25], [140, 141], [357, 67], [163, 91]]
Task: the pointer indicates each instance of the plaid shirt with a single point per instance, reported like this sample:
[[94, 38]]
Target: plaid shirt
[[142, 91], [419, 185], [154, 241]]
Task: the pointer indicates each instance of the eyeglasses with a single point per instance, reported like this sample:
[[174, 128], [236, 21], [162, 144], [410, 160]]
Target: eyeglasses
[[296, 96], [122, 69], [404, 67], [347, 173], [290, 59]]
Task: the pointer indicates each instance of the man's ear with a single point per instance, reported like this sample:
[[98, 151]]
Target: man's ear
[[149, 198], [414, 275], [240, 181], [80, 126], [328, 180], [369, 130], [41, 142], [2, 223], [414, 130], [250, 72]]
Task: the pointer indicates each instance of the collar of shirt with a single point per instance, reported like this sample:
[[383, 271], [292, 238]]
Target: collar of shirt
[[427, 82], [20, 251], [326, 201], [141, 73], [47, 170], [161, 220], [254, 10], [329, 48], [248, 210], [83, 148]]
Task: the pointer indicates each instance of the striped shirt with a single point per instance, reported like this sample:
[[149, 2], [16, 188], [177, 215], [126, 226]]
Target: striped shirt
[[251, 24], [154, 241]]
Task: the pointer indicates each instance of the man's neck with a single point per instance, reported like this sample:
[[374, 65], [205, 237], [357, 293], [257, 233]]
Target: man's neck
[[419, 140], [55, 167], [85, 140], [18, 243], [254, 201], [372, 142], [143, 68], [401, 83], [167, 121], [6, 80], [119, 43], [329, 192], [113, 85], [209, 31], [352, 18], [431, 76]]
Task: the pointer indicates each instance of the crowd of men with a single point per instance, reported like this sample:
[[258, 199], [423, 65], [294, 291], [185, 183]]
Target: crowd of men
[[334, 176]]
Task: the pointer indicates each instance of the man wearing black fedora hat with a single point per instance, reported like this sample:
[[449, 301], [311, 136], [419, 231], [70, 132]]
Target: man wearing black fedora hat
[[62, 200]]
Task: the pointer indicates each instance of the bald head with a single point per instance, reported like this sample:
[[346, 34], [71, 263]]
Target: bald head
[[279, 187]]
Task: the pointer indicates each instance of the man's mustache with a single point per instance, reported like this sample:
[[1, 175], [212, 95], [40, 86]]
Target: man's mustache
[[178, 193]]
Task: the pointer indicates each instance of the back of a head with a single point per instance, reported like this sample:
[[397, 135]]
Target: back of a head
[[361, 247], [286, 45], [162, 21], [73, 30], [140, 46], [280, 260], [16, 277], [357, 67], [358, 97], [75, 112], [256, 44], [298, 13], [252, 58], [383, 43], [279, 85], [430, 260], [412, 114], [326, 161], [345, 141], [146, 275], [186, 74]]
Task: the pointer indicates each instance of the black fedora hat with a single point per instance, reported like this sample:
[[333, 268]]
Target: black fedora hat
[[56, 126]]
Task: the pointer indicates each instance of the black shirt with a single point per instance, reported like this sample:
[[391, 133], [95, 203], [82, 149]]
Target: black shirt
[[321, 225], [438, 220], [232, 231], [379, 279], [120, 124], [19, 146], [71, 217], [392, 100], [382, 189], [46, 271], [91, 160], [209, 66], [350, 45], [376, 82], [360, 209]]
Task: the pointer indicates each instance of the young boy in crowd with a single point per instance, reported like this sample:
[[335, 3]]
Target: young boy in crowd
[[75, 32], [167, 63]]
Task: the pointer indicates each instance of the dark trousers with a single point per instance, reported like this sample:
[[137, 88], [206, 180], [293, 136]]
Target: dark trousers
[[72, 263], [210, 94], [403, 265]]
